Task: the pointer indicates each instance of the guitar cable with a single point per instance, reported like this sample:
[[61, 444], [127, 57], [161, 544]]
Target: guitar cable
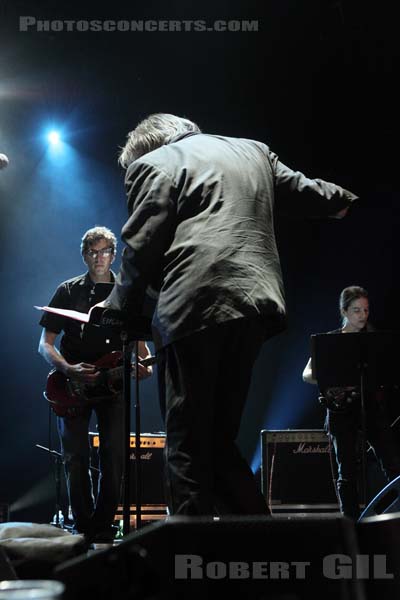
[[271, 471], [333, 469]]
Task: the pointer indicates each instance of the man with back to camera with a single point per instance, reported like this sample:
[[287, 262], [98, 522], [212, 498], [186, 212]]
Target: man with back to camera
[[200, 230], [81, 347]]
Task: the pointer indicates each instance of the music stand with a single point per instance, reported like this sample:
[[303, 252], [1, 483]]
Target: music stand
[[131, 330], [365, 359]]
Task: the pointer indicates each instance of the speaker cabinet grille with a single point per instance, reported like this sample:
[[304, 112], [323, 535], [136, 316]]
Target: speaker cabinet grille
[[151, 454], [297, 470]]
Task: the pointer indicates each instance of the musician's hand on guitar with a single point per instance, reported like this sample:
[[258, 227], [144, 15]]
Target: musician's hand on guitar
[[85, 372], [144, 372]]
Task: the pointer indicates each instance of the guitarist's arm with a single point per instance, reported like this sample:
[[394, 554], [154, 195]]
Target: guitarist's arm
[[307, 373], [81, 371]]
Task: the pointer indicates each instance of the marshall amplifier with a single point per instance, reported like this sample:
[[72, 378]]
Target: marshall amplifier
[[151, 454], [296, 471]]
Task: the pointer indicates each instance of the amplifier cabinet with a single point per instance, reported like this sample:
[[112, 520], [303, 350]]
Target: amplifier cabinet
[[151, 454], [296, 470], [149, 513]]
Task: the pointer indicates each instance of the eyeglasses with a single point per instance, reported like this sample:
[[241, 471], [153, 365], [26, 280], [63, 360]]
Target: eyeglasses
[[102, 252]]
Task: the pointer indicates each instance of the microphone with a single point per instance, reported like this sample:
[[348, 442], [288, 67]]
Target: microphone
[[3, 161]]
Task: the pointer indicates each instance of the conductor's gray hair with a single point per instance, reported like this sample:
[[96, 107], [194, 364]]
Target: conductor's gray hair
[[151, 133]]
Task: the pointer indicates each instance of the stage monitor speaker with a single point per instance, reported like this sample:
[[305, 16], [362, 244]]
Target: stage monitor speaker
[[379, 540], [387, 501], [151, 454], [197, 557], [297, 471], [114, 574]]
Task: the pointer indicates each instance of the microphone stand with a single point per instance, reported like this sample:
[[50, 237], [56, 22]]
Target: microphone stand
[[363, 366], [127, 371], [58, 460], [127, 355], [138, 461]]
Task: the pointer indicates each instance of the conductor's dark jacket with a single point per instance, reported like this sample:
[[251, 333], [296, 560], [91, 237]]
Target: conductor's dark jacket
[[201, 233]]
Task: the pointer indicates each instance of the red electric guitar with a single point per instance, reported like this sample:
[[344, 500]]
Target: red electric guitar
[[67, 396]]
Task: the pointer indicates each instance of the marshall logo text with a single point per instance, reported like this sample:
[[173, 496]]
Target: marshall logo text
[[304, 448]]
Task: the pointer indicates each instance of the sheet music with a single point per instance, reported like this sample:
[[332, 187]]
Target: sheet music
[[64, 312]]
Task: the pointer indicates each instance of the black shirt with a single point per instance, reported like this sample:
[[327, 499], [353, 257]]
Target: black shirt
[[81, 342]]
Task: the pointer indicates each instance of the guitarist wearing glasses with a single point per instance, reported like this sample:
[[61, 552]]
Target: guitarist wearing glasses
[[81, 382]]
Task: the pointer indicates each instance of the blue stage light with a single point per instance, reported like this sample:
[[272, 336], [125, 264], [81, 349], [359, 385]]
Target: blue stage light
[[54, 137]]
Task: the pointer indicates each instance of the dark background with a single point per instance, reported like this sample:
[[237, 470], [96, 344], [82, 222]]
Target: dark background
[[316, 82]]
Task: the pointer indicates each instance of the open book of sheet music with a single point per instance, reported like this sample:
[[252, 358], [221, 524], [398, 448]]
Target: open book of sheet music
[[137, 326], [99, 292], [64, 312]]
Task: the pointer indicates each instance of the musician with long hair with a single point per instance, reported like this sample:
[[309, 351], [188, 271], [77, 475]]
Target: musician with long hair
[[343, 418]]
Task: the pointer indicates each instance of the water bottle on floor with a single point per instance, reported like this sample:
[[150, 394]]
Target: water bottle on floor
[[60, 520]]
